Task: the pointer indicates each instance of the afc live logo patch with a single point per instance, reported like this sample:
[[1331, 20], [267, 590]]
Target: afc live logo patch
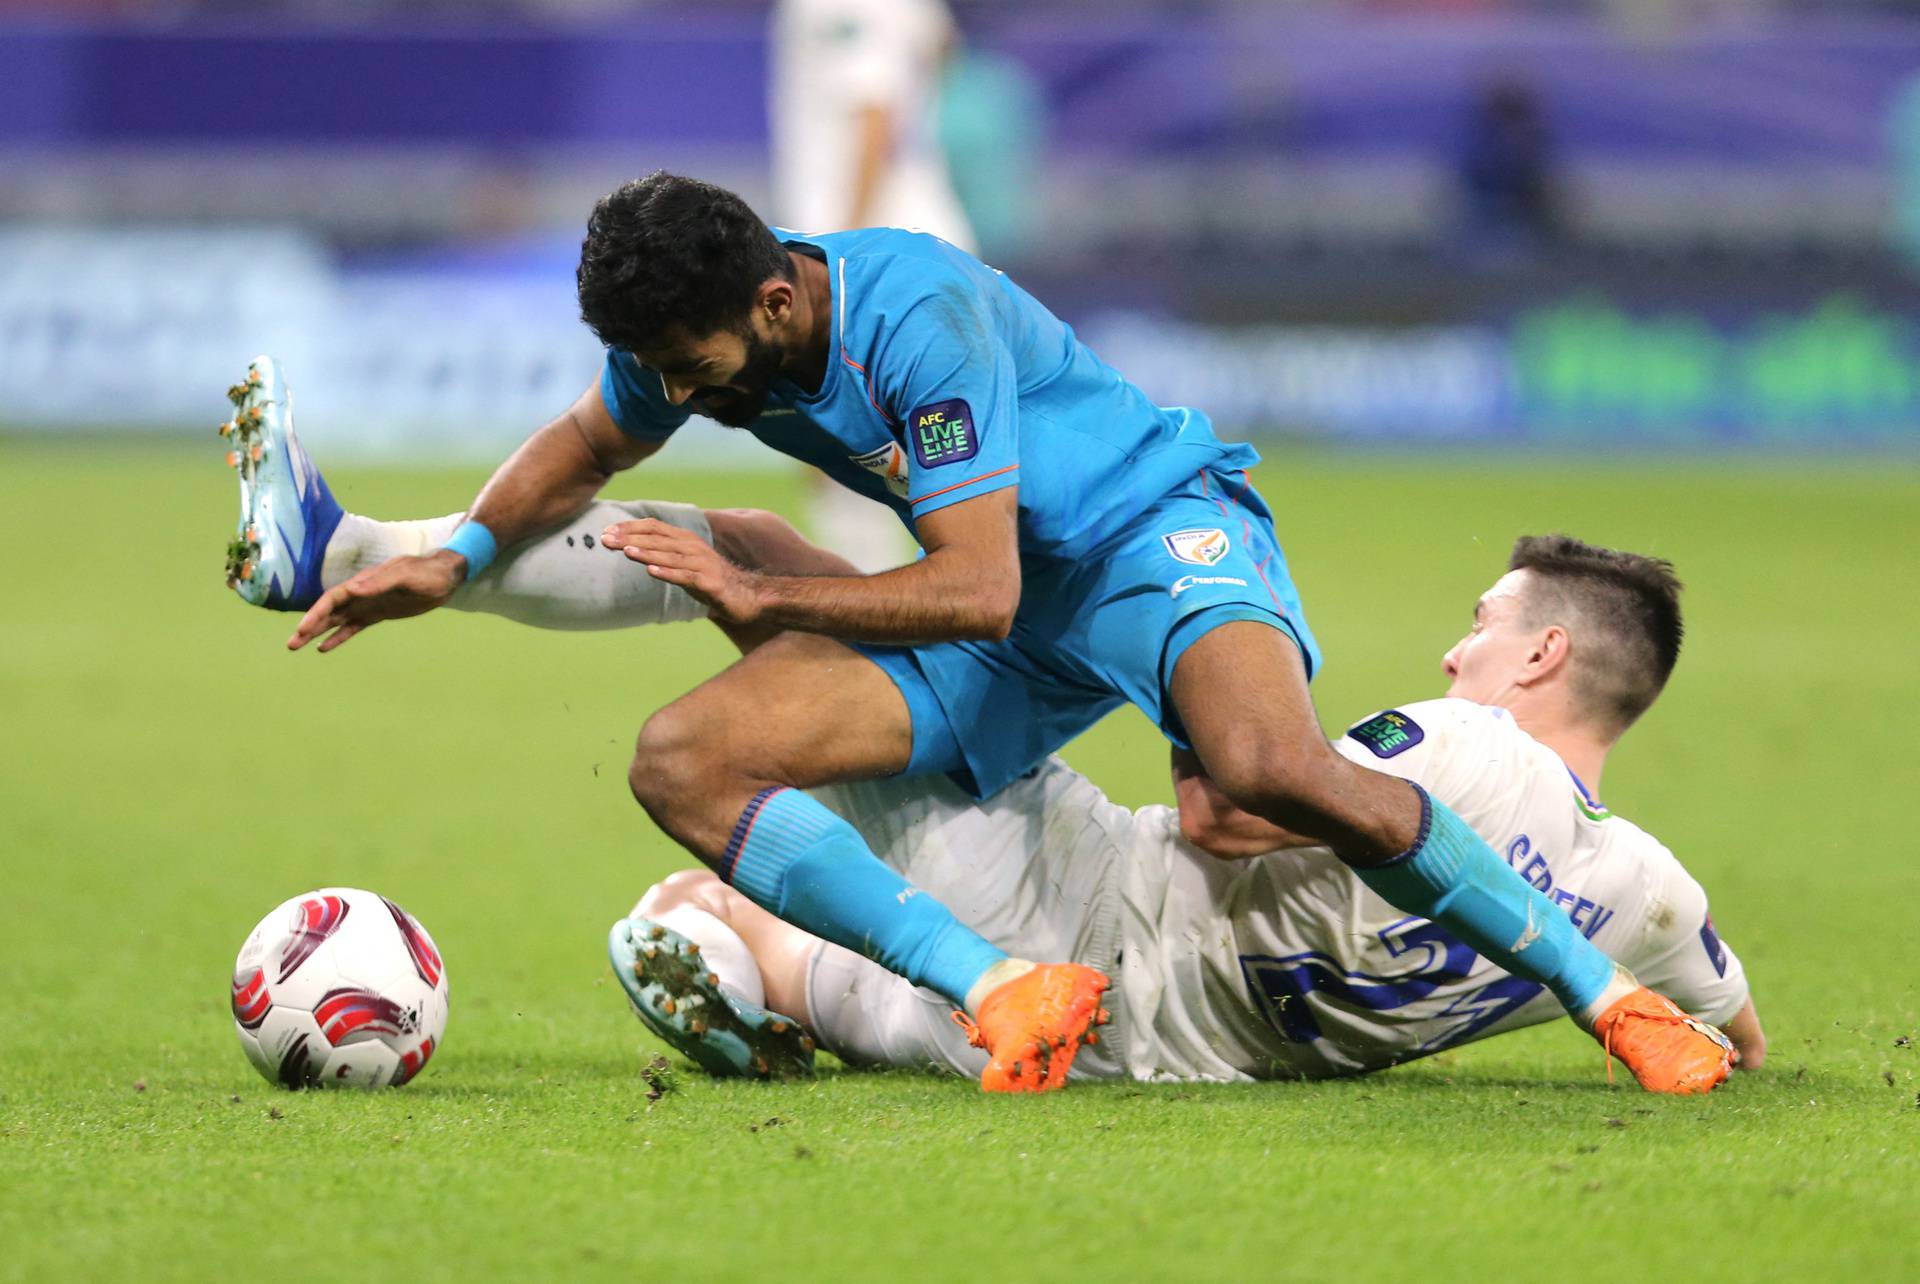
[[1388, 733], [942, 432]]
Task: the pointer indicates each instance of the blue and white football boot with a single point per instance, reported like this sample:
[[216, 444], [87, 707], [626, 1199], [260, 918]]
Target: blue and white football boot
[[287, 514], [677, 998]]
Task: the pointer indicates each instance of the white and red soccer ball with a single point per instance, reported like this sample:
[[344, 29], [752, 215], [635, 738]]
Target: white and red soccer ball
[[339, 988]]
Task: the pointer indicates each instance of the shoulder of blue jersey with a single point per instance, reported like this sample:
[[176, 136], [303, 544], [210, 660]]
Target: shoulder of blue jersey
[[942, 432]]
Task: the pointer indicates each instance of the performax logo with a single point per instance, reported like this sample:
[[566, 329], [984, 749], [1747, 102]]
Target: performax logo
[[1186, 582], [943, 433]]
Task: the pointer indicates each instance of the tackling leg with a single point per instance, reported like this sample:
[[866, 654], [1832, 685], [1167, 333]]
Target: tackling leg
[[1241, 693], [722, 770]]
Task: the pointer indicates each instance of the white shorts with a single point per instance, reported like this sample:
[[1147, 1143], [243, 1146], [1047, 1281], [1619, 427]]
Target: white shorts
[[1049, 869], [1035, 869]]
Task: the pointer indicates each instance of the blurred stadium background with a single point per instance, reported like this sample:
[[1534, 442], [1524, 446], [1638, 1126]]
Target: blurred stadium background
[[1633, 244], [1600, 225]]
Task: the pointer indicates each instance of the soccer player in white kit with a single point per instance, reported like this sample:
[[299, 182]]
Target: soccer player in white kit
[[1282, 964], [852, 103]]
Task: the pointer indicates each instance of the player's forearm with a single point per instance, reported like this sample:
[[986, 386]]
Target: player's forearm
[[551, 478], [937, 599], [1748, 1037], [1210, 821]]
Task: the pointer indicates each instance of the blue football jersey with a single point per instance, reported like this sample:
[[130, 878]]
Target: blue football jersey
[[947, 381]]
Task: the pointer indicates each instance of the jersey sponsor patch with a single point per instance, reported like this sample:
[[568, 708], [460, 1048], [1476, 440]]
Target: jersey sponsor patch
[[1200, 547], [1186, 582], [1716, 952], [942, 432], [889, 464], [1389, 733]]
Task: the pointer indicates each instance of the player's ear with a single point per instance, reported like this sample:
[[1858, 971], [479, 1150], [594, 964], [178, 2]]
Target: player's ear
[[1551, 651], [774, 301]]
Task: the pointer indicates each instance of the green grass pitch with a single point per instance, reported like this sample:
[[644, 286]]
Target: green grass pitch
[[167, 774]]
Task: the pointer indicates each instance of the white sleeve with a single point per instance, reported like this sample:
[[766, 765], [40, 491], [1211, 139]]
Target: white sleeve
[[1445, 746], [1682, 956]]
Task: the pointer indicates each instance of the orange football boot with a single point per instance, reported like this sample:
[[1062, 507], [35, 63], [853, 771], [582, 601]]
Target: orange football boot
[[1667, 1050], [1033, 1025]]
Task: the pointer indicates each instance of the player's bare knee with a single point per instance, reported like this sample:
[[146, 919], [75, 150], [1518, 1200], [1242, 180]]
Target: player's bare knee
[[706, 890], [751, 537], [657, 899], [682, 887], [687, 884], [668, 763]]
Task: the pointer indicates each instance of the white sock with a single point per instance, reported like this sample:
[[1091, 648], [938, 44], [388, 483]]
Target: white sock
[[561, 580], [359, 542], [723, 950], [1620, 987], [993, 978]]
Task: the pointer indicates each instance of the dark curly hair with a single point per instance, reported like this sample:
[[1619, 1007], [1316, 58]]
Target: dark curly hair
[[1623, 610], [666, 253]]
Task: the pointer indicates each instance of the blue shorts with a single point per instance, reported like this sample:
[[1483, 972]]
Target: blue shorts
[[1096, 633]]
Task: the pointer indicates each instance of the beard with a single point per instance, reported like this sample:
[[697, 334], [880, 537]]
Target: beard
[[739, 403]]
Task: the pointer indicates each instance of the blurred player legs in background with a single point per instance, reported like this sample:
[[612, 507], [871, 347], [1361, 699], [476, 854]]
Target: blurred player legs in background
[[853, 100]]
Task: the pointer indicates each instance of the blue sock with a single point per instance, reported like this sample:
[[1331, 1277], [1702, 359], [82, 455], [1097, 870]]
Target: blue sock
[[792, 856], [1451, 876]]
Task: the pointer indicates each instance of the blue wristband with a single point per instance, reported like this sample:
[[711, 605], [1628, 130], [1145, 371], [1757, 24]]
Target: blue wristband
[[475, 543]]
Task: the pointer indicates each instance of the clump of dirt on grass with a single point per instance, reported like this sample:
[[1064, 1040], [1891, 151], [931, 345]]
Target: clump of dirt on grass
[[660, 1079]]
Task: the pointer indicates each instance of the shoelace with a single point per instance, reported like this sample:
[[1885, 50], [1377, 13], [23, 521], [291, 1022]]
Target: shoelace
[[1091, 1038], [1672, 1016], [974, 1036]]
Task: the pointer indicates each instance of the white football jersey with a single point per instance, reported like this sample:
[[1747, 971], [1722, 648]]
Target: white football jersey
[[833, 58], [1287, 965]]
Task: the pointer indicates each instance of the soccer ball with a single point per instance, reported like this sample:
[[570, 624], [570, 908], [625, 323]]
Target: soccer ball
[[339, 987]]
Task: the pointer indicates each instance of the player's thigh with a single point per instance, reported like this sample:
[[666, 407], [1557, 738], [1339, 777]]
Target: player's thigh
[[802, 710], [1240, 692], [986, 713], [1201, 557]]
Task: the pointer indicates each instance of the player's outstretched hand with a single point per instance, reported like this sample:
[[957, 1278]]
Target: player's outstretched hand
[[678, 556], [393, 590]]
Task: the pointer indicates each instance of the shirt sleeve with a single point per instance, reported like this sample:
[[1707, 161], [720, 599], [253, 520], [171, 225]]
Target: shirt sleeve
[[1682, 956], [637, 399], [949, 381], [1430, 743]]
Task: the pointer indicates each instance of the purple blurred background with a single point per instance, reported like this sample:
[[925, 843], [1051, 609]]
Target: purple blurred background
[[1594, 225]]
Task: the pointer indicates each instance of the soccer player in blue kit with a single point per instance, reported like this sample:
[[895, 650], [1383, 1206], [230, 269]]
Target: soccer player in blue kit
[[1083, 547]]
